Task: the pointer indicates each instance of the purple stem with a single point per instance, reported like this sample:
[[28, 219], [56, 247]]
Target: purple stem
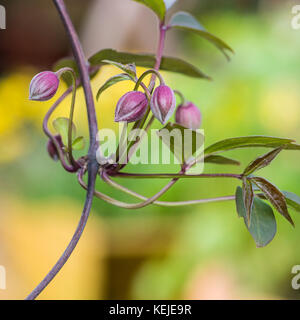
[[92, 162]]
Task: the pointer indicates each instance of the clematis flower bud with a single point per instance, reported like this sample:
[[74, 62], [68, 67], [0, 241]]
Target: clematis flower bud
[[188, 116], [43, 86], [163, 103], [51, 148], [131, 107]]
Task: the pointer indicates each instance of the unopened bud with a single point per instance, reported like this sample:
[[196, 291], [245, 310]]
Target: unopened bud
[[51, 148], [131, 107], [163, 103], [188, 116], [43, 86]]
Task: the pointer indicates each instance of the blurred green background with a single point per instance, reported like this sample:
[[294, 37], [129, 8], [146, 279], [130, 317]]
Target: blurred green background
[[196, 252]]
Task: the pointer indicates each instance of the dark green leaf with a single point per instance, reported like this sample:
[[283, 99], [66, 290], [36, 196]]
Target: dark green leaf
[[292, 200], [262, 161], [221, 160], [147, 61], [78, 143], [248, 196], [185, 21], [263, 224], [128, 68], [158, 6], [182, 142], [274, 195], [61, 125], [113, 80], [251, 141]]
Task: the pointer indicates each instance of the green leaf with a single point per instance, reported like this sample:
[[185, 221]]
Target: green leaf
[[61, 125], [275, 196], [221, 160], [248, 197], [158, 6], [128, 68], [251, 141], [263, 224], [188, 142], [78, 143], [113, 80], [185, 21], [292, 200], [262, 161], [147, 61]]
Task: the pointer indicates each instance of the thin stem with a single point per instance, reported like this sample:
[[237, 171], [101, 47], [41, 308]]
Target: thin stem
[[70, 129], [93, 128], [83, 67], [70, 248], [167, 203], [176, 175], [51, 137], [150, 71]]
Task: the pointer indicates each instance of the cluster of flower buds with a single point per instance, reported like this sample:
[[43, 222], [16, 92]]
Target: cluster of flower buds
[[43, 86], [188, 116]]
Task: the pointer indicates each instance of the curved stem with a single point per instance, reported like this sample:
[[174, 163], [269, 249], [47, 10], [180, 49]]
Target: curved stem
[[65, 256], [177, 175], [167, 203], [150, 71], [92, 162]]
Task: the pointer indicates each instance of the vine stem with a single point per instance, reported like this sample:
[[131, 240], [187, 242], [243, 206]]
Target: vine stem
[[93, 165], [76, 237], [176, 175]]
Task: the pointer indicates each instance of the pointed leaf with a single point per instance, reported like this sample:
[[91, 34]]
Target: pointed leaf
[[263, 224], [78, 143], [128, 68], [147, 61], [61, 125], [113, 80], [262, 161], [221, 160], [185, 21], [251, 141], [248, 197], [292, 200], [188, 142], [158, 6], [275, 196]]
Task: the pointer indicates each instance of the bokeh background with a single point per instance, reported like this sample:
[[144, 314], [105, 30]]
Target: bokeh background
[[196, 252]]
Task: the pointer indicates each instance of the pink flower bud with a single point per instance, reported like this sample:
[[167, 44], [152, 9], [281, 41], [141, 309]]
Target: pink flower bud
[[51, 148], [163, 103], [131, 107], [188, 116], [43, 86]]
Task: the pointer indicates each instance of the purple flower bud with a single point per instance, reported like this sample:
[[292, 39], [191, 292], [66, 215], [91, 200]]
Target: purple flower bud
[[131, 107], [43, 86], [188, 116], [51, 148], [163, 103]]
